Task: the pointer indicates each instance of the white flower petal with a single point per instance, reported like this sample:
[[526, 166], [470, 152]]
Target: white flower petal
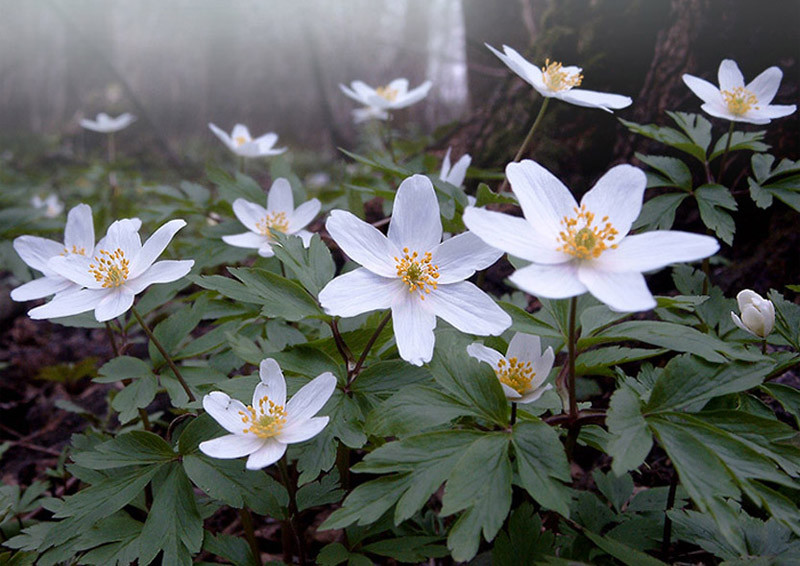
[[249, 213], [164, 271], [273, 384], [222, 135], [122, 234], [363, 243], [510, 393], [226, 411], [359, 291], [413, 328], [306, 236], [654, 250], [246, 240], [514, 61], [231, 446], [622, 292], [534, 394], [415, 222], [765, 85], [484, 354], [76, 269], [592, 99], [461, 256], [40, 288], [240, 131], [413, 96], [116, 302], [445, 165], [303, 215], [551, 281], [773, 111], [79, 231], [542, 366], [468, 309], [301, 431], [524, 347], [280, 197], [618, 194], [738, 322], [67, 304], [729, 75], [459, 171], [267, 140], [154, 247], [310, 398], [266, 250], [706, 91], [352, 93], [545, 201], [270, 452], [36, 251]]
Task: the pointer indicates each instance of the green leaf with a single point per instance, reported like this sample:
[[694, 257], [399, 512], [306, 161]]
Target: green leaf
[[542, 464], [676, 171], [131, 448], [407, 549], [787, 318], [631, 440], [787, 396], [625, 554], [523, 321], [231, 188], [525, 542], [413, 409], [137, 395], [226, 287], [279, 296], [658, 213], [115, 541], [485, 195], [598, 362], [332, 554], [234, 549], [123, 367], [312, 266], [671, 137], [323, 492], [740, 141], [617, 489], [714, 201]]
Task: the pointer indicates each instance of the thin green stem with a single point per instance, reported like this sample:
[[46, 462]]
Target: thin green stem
[[242, 165], [367, 348], [528, 139], [513, 413], [112, 149], [667, 533], [572, 340], [388, 138], [764, 346], [291, 488], [341, 345], [249, 533], [142, 413], [725, 153], [164, 353]]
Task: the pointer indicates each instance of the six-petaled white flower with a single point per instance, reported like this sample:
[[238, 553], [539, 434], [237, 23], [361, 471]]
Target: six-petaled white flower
[[118, 268], [524, 368], [263, 429], [105, 124], [52, 205], [279, 216], [734, 101], [556, 81], [758, 313], [455, 173], [577, 248], [413, 273], [393, 96], [242, 143]]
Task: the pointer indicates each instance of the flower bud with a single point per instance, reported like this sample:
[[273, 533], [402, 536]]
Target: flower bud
[[758, 313]]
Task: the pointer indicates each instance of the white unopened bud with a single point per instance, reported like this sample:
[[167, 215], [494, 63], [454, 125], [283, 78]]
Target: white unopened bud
[[758, 313]]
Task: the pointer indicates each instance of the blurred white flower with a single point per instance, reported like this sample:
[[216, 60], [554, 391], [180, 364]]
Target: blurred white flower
[[242, 144], [734, 101], [119, 268], [574, 249], [369, 113], [758, 313], [393, 96], [456, 173], [53, 207], [263, 429], [556, 81], [105, 124], [279, 216], [413, 273], [523, 369]]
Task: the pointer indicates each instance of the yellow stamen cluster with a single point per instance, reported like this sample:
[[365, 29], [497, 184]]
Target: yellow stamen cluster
[[75, 250], [240, 140], [556, 78], [739, 100], [273, 222], [417, 272], [111, 268], [517, 375], [586, 241], [387, 93], [267, 421]]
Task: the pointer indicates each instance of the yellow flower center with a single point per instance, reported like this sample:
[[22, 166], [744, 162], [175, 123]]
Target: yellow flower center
[[273, 222], [556, 78], [739, 100], [417, 272], [583, 240], [517, 375], [110, 269], [240, 140], [267, 421], [75, 250], [387, 93]]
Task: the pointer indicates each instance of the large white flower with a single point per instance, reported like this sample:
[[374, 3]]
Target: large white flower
[[36, 252], [523, 369], [556, 81], [105, 124], [52, 205], [279, 216], [263, 429], [242, 143], [575, 248], [369, 113], [734, 101], [457, 172], [758, 313], [118, 269], [393, 96], [413, 273]]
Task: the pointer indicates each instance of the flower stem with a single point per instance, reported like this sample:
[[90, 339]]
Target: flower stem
[[667, 533], [725, 153], [572, 339], [513, 413], [341, 345], [357, 369], [292, 488], [142, 413], [249, 533], [764, 346], [388, 138], [112, 149], [242, 165], [164, 353], [528, 139]]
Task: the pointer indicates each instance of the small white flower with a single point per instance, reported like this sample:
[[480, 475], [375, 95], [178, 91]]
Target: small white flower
[[263, 429], [52, 205], [36, 252], [739, 103], [413, 273], [758, 313], [279, 216], [523, 369], [369, 113], [456, 173], [393, 96], [556, 81], [241, 143], [575, 249], [119, 268], [105, 124]]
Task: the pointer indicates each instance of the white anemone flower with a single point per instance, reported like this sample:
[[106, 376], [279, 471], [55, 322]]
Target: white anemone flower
[[279, 216], [263, 429], [242, 143], [413, 273], [105, 124], [734, 101], [119, 268], [36, 252], [524, 368], [369, 113], [393, 96], [52, 205], [758, 313], [457, 172], [578, 248], [557, 81]]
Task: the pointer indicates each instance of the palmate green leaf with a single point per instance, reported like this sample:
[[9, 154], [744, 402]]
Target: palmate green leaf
[[137, 395], [231, 548], [523, 321], [622, 552], [131, 448], [227, 287], [631, 440], [231, 188], [787, 318], [123, 367], [751, 141], [694, 139], [714, 202], [782, 182], [280, 297], [382, 379], [695, 126], [658, 213], [312, 266], [315, 456], [787, 396], [524, 541], [114, 541], [174, 329], [323, 492], [485, 195], [676, 172], [542, 464], [413, 549], [599, 361]]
